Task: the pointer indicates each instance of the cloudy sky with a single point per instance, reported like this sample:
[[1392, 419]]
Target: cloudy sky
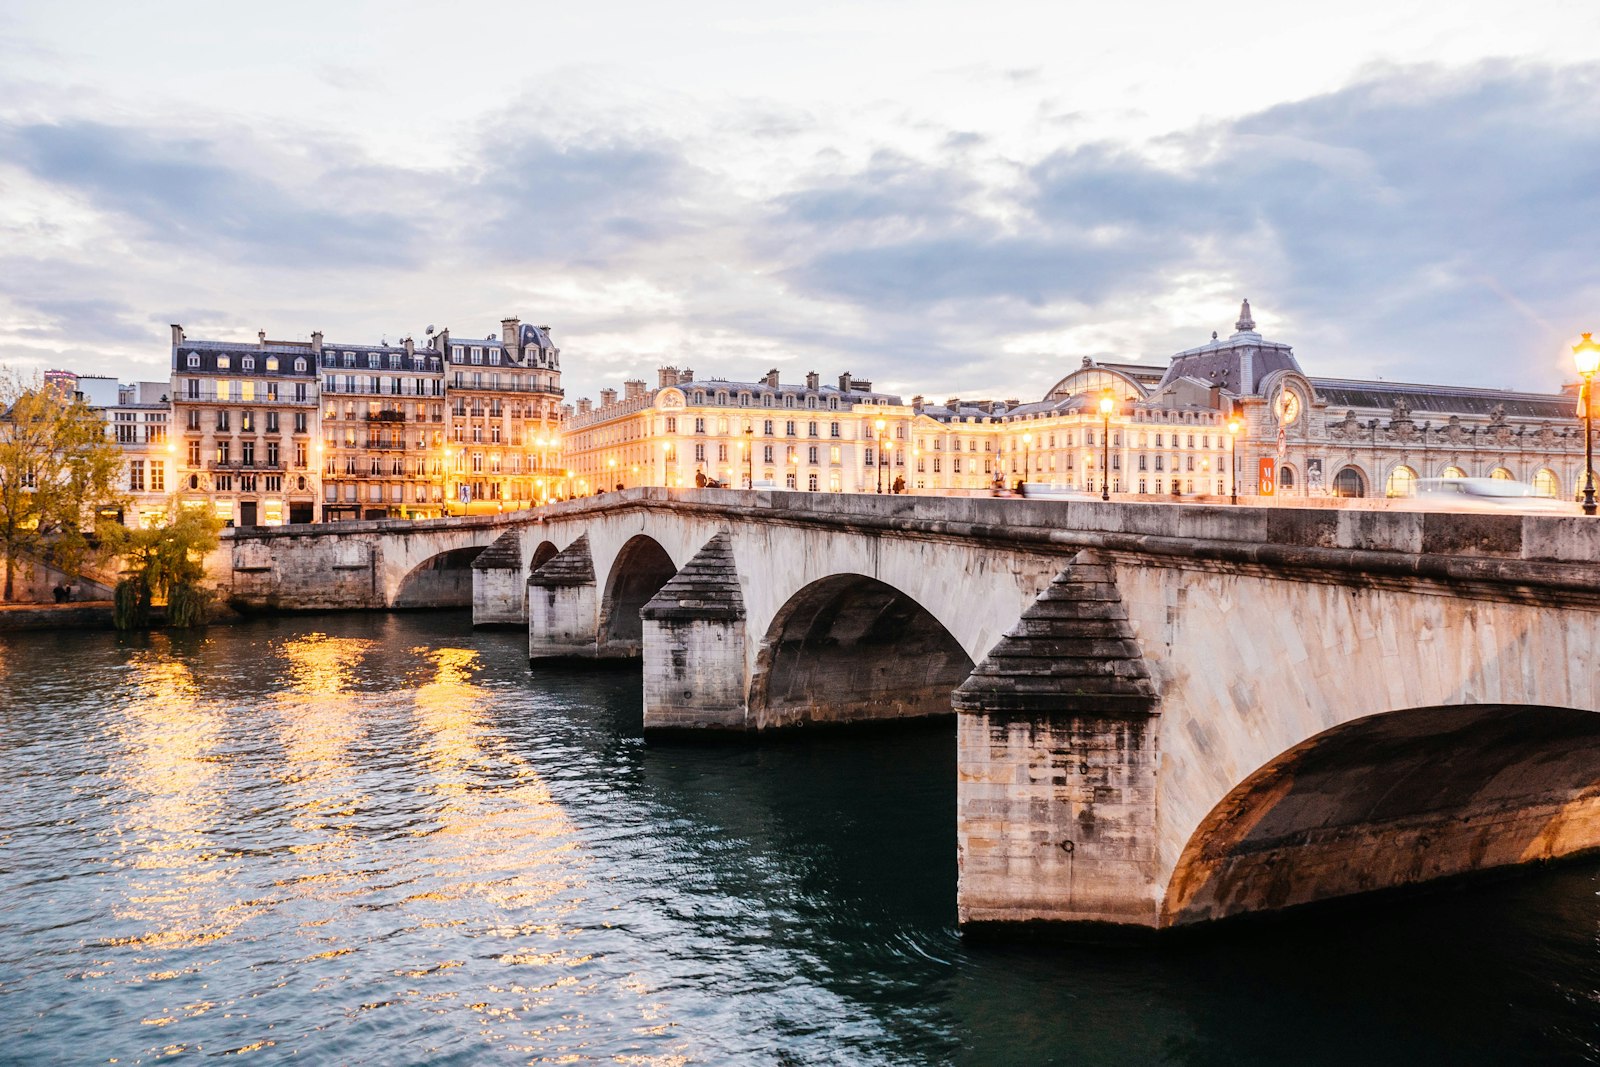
[[946, 198]]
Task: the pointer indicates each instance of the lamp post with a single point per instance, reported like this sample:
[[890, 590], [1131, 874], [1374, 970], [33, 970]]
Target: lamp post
[[880, 424], [1106, 404], [1027, 452], [1587, 355], [749, 457], [1233, 453], [612, 463]]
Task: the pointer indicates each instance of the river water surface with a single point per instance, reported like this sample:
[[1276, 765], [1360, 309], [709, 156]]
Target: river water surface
[[382, 839]]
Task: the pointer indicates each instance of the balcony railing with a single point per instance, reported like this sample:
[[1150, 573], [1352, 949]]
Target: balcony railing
[[207, 396], [387, 415], [506, 387], [235, 465]]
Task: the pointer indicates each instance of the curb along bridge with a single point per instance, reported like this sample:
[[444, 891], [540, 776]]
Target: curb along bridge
[[1165, 713]]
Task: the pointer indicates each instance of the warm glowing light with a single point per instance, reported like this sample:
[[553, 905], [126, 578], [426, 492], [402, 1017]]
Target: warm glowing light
[[1027, 439], [1233, 425], [881, 424], [1586, 353], [1106, 404]]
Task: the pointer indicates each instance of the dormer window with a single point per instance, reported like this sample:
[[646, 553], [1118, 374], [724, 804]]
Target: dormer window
[[349, 359], [194, 359], [272, 364], [300, 365], [494, 357], [394, 361], [223, 362], [455, 354], [248, 363], [372, 361], [477, 355]]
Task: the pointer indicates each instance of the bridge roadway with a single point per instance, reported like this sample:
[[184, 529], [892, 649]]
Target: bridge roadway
[[1165, 714]]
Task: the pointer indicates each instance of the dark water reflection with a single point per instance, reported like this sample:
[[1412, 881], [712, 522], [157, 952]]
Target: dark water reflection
[[381, 840]]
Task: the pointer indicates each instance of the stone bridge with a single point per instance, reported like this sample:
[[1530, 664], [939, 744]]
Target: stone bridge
[[1165, 713]]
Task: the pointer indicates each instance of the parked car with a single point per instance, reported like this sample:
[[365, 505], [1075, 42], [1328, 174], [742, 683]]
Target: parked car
[[1486, 494]]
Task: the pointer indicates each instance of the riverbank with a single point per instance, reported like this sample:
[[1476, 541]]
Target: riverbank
[[81, 615]]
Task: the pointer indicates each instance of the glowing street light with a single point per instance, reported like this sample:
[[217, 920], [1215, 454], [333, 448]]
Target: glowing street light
[[1587, 355], [880, 425], [1233, 449], [1106, 404]]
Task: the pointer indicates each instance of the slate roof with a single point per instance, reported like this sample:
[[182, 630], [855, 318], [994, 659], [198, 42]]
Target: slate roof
[[1345, 393]]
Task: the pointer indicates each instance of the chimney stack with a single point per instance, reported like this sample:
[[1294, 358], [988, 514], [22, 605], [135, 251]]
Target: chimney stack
[[813, 379], [585, 405], [632, 389], [772, 378], [844, 382], [261, 338], [608, 397], [316, 342], [177, 335], [509, 328], [666, 376], [411, 348]]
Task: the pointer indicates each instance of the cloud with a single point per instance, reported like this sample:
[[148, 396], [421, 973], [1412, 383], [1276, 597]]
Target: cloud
[[187, 191], [1380, 217]]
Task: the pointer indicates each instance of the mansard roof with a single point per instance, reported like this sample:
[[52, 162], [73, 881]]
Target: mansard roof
[[713, 385], [1345, 393]]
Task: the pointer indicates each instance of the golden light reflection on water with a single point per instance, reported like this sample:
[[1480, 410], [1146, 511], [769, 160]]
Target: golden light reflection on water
[[168, 769], [510, 845]]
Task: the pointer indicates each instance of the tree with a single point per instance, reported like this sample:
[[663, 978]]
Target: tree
[[57, 469], [165, 562]]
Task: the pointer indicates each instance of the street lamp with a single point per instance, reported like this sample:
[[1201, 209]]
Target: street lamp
[[1587, 355], [749, 457], [1233, 450], [880, 424], [1106, 404], [1027, 446]]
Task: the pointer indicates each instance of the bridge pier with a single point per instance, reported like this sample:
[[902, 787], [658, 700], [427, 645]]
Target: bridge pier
[[563, 609], [695, 676], [1057, 764], [499, 594]]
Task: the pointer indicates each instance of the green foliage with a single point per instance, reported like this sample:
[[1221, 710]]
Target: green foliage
[[167, 562], [57, 469], [131, 607]]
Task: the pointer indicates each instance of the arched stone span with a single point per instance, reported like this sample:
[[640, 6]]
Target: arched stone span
[[441, 581], [641, 568], [544, 553], [1393, 800], [849, 648]]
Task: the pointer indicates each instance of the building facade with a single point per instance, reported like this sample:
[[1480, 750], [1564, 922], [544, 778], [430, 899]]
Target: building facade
[[504, 440], [139, 421], [689, 431], [382, 438], [246, 418]]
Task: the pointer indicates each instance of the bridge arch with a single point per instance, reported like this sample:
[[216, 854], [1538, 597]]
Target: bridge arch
[[443, 580], [850, 648], [638, 572], [546, 552], [1392, 800]]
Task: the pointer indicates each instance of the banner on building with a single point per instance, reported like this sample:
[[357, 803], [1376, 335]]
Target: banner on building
[[1267, 478]]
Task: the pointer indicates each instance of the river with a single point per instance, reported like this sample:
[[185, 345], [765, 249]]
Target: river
[[382, 839]]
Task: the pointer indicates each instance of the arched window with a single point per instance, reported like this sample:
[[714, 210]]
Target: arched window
[[1545, 483], [1453, 471], [1402, 482], [1285, 477], [1502, 474], [1349, 483]]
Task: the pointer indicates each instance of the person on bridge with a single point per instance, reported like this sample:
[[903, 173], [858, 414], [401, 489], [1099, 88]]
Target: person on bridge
[[699, 479]]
